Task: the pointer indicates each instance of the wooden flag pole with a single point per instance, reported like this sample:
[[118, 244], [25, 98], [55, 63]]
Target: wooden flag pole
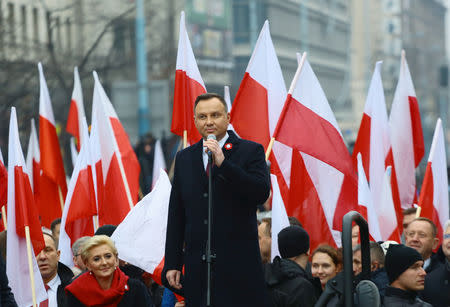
[[418, 211], [30, 264], [61, 198], [4, 217], [184, 139], [95, 220], [269, 148]]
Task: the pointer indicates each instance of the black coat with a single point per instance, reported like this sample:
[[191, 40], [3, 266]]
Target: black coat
[[395, 297], [381, 280], [288, 284], [65, 275], [136, 296], [239, 185], [437, 287], [6, 296]]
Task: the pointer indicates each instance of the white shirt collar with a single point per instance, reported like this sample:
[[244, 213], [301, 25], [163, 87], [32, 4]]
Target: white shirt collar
[[426, 263], [54, 283]]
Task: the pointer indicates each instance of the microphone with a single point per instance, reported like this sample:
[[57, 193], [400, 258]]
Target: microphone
[[210, 137]]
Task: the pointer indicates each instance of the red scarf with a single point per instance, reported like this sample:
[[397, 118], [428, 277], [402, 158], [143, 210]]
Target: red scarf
[[87, 290]]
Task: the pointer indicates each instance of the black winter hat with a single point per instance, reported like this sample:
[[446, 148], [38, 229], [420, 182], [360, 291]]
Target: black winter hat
[[398, 259], [106, 230], [293, 241]]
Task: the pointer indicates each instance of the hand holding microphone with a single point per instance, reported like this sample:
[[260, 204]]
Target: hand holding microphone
[[213, 148]]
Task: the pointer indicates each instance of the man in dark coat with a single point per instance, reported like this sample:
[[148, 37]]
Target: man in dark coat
[[406, 277], [286, 277], [437, 283], [240, 182]]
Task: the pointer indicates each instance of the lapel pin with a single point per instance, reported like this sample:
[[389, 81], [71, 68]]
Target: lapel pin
[[228, 146]]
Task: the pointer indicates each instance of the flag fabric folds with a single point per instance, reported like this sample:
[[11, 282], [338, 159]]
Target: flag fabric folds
[[21, 213], [434, 193], [80, 207], [158, 162], [76, 110], [407, 143], [34, 163], [188, 85], [280, 219], [53, 186], [373, 143]]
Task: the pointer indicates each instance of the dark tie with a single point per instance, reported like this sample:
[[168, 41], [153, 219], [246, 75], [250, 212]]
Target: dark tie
[[207, 168], [45, 303]]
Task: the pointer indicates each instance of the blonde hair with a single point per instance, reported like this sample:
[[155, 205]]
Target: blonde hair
[[94, 242]]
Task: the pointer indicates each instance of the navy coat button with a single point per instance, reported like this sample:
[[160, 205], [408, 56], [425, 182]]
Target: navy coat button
[[205, 195]]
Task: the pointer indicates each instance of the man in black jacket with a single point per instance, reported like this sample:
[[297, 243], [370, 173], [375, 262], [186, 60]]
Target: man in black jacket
[[286, 278], [437, 283], [404, 267], [56, 275]]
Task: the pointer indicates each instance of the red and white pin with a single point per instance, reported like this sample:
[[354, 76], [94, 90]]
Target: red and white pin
[[228, 146]]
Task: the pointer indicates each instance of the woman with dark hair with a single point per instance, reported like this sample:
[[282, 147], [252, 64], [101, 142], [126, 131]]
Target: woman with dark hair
[[104, 284], [326, 263]]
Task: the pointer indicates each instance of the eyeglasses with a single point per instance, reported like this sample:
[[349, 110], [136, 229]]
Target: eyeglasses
[[446, 236]]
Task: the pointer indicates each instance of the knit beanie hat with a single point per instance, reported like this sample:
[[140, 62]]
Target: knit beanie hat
[[106, 230], [398, 259], [293, 241]]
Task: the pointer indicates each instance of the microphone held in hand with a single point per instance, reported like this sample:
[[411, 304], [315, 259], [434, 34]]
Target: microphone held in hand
[[210, 137]]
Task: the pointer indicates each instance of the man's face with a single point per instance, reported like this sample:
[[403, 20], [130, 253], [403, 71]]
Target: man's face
[[55, 232], [419, 236], [265, 242], [47, 259], [413, 279], [407, 219], [355, 235], [211, 118], [446, 243], [78, 261], [357, 264]]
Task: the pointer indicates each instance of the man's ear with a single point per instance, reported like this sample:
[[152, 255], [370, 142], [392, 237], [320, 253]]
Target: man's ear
[[435, 243], [375, 265]]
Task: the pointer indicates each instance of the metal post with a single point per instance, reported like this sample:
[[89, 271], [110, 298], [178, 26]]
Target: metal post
[[304, 25], [253, 22], [141, 70]]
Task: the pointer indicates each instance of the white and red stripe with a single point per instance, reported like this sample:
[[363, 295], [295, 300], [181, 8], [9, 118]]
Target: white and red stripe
[[434, 193], [188, 85], [373, 143], [76, 110], [280, 219]]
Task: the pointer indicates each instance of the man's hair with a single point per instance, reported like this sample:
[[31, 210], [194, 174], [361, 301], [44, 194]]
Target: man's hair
[[76, 247], [294, 221], [434, 230], [52, 237], [94, 242], [208, 96], [409, 211], [376, 253], [54, 223], [268, 222]]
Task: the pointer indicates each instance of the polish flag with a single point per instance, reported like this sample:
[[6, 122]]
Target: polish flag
[[73, 151], [53, 186], [22, 214], [3, 188], [76, 111], [406, 140], [158, 162], [80, 206], [226, 96], [258, 104], [365, 200], [373, 144], [149, 216], [34, 163], [188, 85], [120, 167], [386, 219], [280, 219], [323, 179], [434, 193]]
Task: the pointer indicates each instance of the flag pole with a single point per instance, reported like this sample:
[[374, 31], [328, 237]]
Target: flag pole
[[269, 148], [4, 217], [125, 181], [61, 198], [418, 211], [184, 139], [30, 264]]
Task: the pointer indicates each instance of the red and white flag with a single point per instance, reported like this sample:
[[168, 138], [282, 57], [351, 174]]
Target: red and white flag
[[226, 96], [120, 167], [387, 220], [73, 151], [365, 199], [323, 182], [158, 162], [21, 213], [80, 206], [373, 143], [280, 219], [34, 163], [53, 186], [76, 111], [3, 189], [406, 141], [149, 216], [188, 85], [258, 104], [434, 193]]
